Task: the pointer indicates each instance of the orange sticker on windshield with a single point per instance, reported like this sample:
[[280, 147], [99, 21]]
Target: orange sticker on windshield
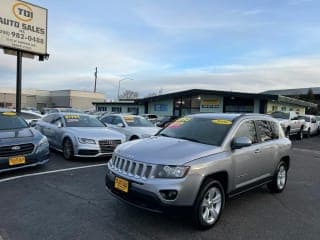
[[221, 121], [179, 122]]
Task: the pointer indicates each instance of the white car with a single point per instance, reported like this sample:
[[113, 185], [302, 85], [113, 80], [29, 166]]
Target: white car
[[29, 116], [318, 123], [311, 125], [151, 117], [134, 127]]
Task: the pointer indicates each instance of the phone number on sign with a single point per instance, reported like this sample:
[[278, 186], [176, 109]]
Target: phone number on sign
[[29, 38]]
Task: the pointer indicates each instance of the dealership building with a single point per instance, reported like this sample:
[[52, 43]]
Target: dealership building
[[40, 99], [207, 101]]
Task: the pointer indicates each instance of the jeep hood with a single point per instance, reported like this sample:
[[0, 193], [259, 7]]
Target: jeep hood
[[165, 150]]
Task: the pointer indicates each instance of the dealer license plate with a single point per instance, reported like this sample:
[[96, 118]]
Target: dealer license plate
[[17, 160], [121, 184]]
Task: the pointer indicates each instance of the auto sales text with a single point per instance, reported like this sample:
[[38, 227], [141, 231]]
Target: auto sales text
[[22, 26]]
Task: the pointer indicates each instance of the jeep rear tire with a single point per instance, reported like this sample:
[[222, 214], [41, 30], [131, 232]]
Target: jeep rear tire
[[209, 204], [279, 180]]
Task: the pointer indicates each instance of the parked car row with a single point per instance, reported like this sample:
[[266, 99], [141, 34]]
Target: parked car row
[[301, 126], [196, 162]]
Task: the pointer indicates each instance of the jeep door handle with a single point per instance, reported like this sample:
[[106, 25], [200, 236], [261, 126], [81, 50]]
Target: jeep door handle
[[257, 151]]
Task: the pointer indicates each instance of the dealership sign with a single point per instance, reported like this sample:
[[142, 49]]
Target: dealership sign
[[210, 103], [23, 26]]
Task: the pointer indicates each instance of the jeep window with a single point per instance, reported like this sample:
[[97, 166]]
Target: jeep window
[[281, 115], [275, 129], [12, 122], [265, 131], [196, 129], [247, 129]]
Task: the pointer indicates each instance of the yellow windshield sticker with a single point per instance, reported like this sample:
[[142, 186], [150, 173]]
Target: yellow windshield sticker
[[10, 114], [221, 121], [129, 118], [71, 116], [183, 120]]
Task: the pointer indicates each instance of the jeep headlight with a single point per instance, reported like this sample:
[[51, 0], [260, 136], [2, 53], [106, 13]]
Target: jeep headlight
[[167, 171], [86, 141]]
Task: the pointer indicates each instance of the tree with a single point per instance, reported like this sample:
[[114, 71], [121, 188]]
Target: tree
[[129, 94], [310, 96], [153, 94]]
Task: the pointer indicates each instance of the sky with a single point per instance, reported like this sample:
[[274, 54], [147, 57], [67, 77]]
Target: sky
[[173, 45]]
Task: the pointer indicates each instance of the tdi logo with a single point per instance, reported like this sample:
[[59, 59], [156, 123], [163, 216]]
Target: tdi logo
[[22, 12]]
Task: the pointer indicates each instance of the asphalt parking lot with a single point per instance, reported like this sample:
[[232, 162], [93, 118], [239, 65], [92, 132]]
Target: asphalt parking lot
[[67, 200]]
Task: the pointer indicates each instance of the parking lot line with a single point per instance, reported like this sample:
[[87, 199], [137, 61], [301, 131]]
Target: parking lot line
[[50, 172]]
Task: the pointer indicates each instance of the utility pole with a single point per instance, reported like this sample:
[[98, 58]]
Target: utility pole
[[95, 80]]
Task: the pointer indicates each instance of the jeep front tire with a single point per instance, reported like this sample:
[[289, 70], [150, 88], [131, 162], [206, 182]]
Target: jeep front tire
[[209, 204]]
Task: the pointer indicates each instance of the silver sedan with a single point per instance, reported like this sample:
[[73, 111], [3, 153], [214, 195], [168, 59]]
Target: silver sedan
[[79, 135], [134, 127]]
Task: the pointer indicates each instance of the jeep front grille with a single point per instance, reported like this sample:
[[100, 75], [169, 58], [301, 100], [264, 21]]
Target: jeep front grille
[[131, 168]]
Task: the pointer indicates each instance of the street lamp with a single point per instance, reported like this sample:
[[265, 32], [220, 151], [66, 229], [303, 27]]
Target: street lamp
[[126, 78]]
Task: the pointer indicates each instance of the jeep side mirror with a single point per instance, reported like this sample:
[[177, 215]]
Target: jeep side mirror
[[241, 142]]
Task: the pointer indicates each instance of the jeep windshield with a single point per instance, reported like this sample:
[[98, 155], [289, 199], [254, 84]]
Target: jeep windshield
[[10, 121], [201, 130]]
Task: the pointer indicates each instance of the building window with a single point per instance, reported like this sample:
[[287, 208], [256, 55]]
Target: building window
[[102, 109], [133, 110], [283, 109], [274, 108], [116, 109], [161, 107]]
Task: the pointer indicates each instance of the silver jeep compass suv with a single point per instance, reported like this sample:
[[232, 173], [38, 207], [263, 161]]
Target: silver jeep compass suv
[[198, 161]]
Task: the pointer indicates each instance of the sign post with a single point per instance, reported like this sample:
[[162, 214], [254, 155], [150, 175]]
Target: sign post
[[23, 33], [19, 81]]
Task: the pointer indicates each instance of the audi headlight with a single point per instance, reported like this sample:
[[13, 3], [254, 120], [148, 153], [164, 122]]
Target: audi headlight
[[166, 171], [86, 141]]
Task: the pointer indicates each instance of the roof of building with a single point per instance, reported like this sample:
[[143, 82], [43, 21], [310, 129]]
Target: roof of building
[[294, 91], [193, 92], [127, 102]]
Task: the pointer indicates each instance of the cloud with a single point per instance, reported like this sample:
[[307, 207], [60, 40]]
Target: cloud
[[274, 74], [181, 16]]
